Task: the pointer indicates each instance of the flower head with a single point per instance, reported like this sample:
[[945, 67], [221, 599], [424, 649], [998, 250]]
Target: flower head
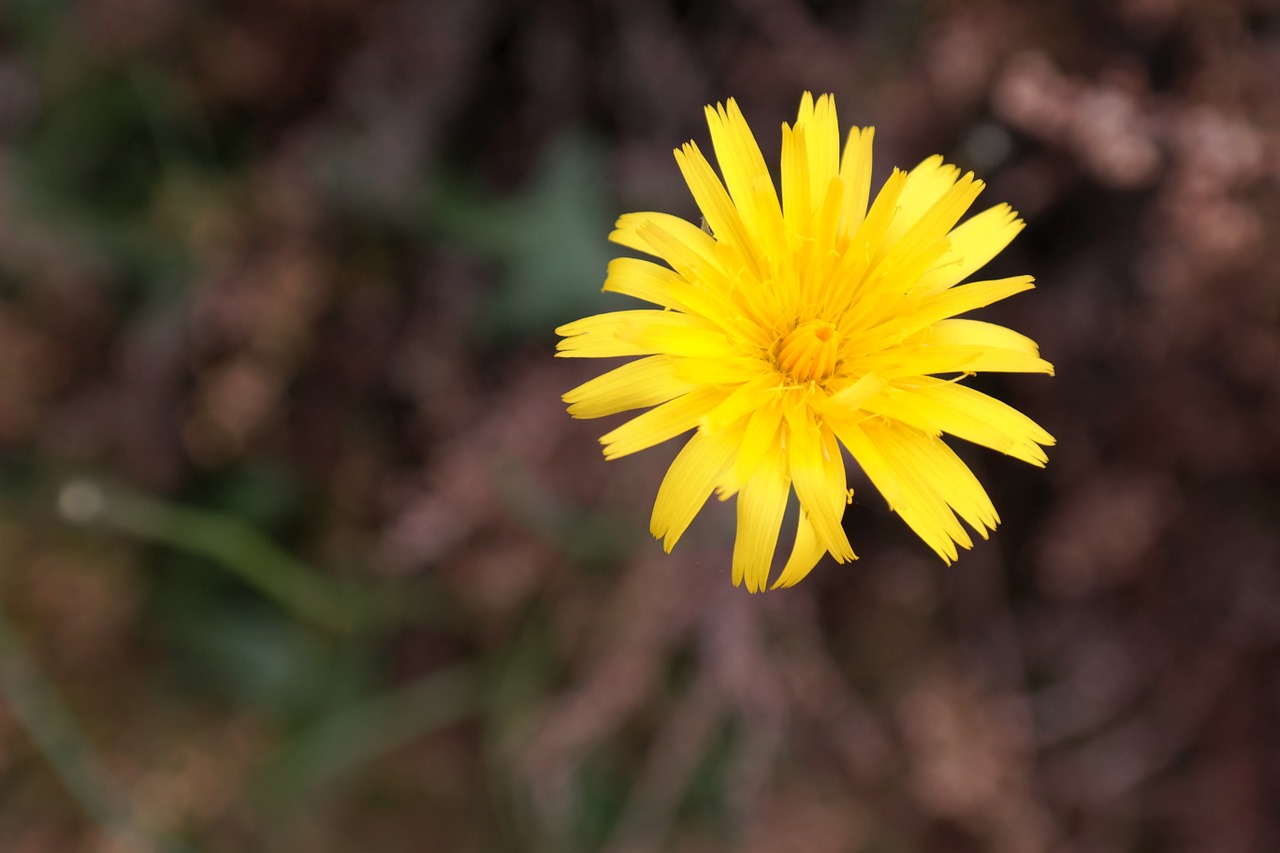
[[790, 328]]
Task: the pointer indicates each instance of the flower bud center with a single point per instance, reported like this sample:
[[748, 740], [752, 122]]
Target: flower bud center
[[808, 353]]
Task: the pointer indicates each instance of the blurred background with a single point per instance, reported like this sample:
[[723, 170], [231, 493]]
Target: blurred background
[[300, 551]]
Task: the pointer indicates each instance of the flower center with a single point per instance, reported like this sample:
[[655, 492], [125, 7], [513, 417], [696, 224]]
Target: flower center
[[808, 353]]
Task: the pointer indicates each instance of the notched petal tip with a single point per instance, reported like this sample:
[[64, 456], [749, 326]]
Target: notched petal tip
[[568, 345]]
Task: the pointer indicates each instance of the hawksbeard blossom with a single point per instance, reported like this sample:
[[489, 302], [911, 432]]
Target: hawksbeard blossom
[[788, 329]]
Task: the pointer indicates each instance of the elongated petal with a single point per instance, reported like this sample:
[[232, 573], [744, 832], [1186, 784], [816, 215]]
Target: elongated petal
[[741, 401], [712, 198], [927, 461], [974, 242], [892, 287], [761, 505], [848, 294], [685, 248], [674, 333], [913, 498], [644, 280], [805, 554], [949, 303], [936, 405], [849, 400], [759, 439], [822, 145], [797, 209], [666, 287], [659, 424], [967, 359], [595, 337], [726, 370], [923, 242], [820, 488], [697, 469], [627, 232], [926, 184], [965, 346], [855, 173], [635, 385], [691, 252], [980, 333], [976, 294], [606, 323], [816, 267], [642, 332], [662, 286], [747, 177]]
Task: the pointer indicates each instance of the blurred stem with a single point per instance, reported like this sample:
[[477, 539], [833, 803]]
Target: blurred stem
[[59, 737], [366, 730], [334, 605]]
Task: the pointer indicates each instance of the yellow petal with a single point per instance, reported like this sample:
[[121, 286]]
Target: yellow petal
[[816, 260], [836, 488], [674, 333], [923, 242], [697, 469], [822, 144], [654, 283], [759, 439], [659, 424], [979, 333], [926, 184], [712, 198], [641, 332], [643, 280], [948, 303], [596, 337], [819, 479], [940, 358], [855, 173], [968, 414], [826, 225], [662, 286], [635, 385], [747, 177], [805, 554], [732, 370], [741, 401], [849, 400], [761, 505], [797, 210], [693, 254], [908, 495], [974, 242], [805, 114], [847, 292], [951, 346], [626, 232], [935, 467], [697, 248], [598, 324]]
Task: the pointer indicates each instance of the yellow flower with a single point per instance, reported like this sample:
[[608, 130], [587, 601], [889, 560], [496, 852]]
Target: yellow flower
[[789, 329]]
